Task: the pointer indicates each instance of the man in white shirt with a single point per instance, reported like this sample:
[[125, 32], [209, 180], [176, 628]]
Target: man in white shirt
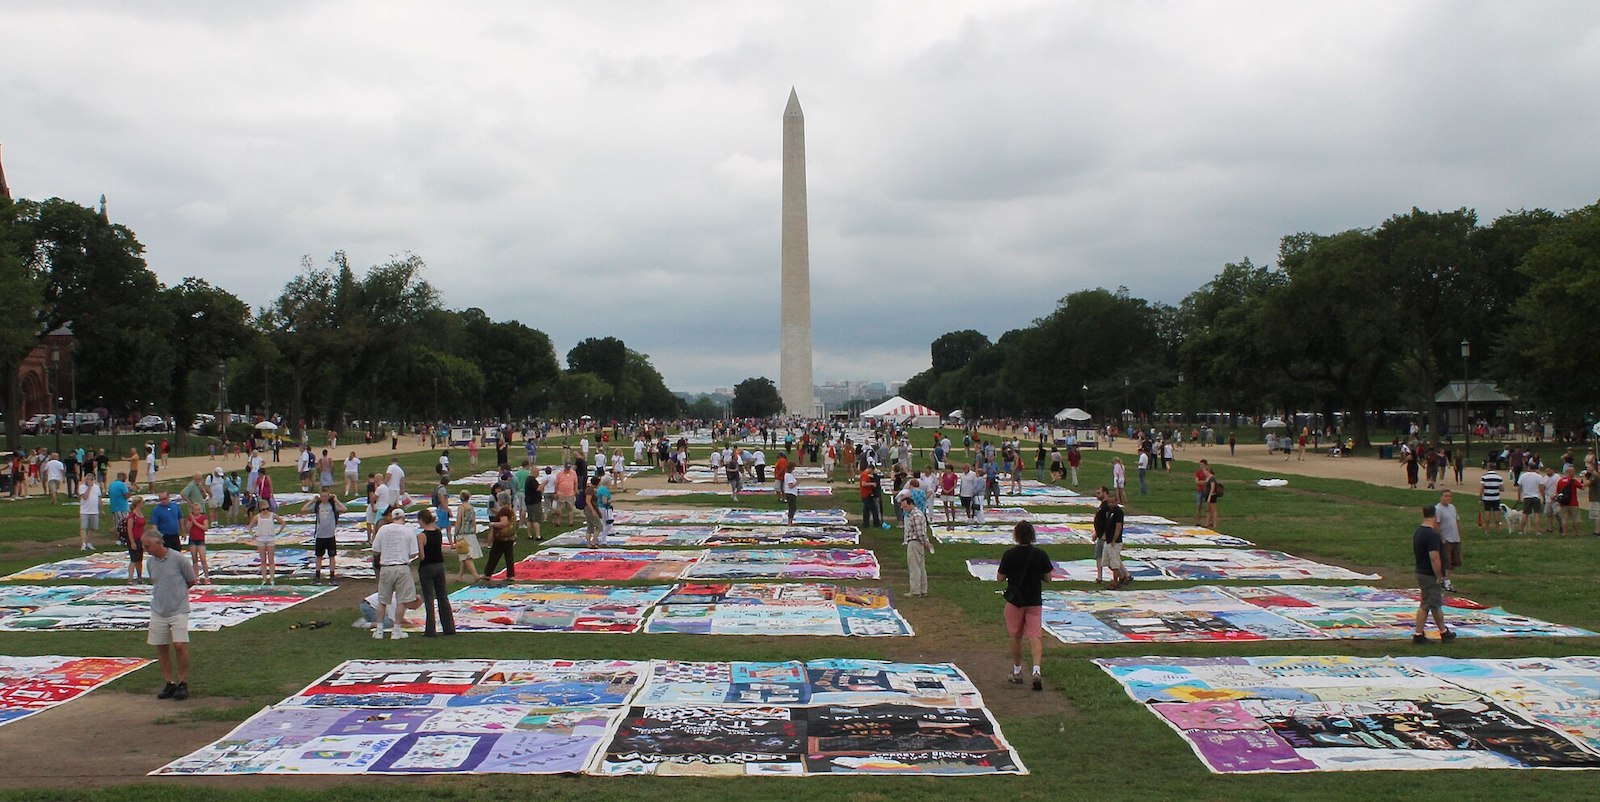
[[55, 476], [967, 488], [303, 463], [395, 478], [393, 548], [761, 465], [1531, 486]]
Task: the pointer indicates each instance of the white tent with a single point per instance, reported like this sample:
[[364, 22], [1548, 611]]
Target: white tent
[[957, 414], [897, 408], [1073, 414]]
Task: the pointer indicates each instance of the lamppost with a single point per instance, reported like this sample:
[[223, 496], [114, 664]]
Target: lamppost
[[1466, 394], [1085, 397], [55, 378], [1125, 393], [1181, 416], [222, 400]]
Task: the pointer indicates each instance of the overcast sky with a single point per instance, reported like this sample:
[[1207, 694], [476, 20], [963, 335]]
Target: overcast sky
[[612, 168]]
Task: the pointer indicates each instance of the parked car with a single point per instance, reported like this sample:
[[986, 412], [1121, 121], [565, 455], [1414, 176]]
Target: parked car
[[39, 424], [151, 423], [81, 423]]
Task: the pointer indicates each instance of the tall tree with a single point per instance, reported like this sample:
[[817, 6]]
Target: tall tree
[[756, 397], [23, 289], [1428, 263], [209, 326], [1562, 279]]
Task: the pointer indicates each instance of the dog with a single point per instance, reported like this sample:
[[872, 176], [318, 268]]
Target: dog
[[1513, 517]]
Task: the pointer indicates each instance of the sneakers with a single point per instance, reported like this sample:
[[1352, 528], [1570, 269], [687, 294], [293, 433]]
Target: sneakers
[[399, 634], [1447, 585], [361, 623], [1038, 682], [1016, 678], [1447, 636], [181, 692], [168, 691], [1418, 639], [377, 634]]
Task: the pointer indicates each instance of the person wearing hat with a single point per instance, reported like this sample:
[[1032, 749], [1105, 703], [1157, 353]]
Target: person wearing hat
[[393, 548]]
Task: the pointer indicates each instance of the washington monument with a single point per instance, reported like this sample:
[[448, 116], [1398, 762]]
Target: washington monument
[[794, 373]]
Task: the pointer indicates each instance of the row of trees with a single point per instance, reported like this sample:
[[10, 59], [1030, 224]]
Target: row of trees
[[334, 344], [1362, 320]]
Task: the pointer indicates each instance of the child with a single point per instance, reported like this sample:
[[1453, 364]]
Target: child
[[196, 523], [266, 539]]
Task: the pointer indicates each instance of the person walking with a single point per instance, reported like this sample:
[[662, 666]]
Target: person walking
[[171, 576], [566, 495], [791, 495], [1492, 516], [502, 542], [467, 546], [1119, 480], [1023, 568], [917, 544], [1426, 547], [1144, 468], [352, 473], [431, 574], [1108, 523]]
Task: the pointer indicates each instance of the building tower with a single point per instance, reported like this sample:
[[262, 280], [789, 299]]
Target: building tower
[[5, 191], [794, 374]]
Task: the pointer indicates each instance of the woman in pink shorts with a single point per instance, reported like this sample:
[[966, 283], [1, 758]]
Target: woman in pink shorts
[[1023, 568]]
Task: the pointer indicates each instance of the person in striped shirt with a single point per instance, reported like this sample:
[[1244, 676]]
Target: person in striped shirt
[[1489, 484]]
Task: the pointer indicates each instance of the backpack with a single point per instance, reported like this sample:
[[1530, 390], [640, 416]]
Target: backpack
[[1216, 489]]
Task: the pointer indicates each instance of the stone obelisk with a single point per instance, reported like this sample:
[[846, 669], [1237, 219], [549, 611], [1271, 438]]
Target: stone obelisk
[[794, 374]]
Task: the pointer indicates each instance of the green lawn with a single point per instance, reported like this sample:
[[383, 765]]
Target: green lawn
[[1083, 737]]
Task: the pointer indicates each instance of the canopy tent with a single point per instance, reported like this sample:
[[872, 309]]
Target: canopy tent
[[957, 414], [898, 407], [1073, 414]]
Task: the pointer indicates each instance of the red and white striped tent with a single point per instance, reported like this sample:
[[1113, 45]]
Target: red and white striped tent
[[898, 408]]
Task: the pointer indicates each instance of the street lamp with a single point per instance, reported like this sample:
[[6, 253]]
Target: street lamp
[[1085, 397], [55, 378], [1466, 394], [1180, 398], [1125, 393]]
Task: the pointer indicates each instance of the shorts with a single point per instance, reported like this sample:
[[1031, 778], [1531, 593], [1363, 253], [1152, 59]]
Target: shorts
[[396, 580], [1532, 506], [1099, 554], [1432, 592], [327, 546], [1451, 556], [1024, 622], [1594, 510], [536, 512], [564, 502], [1491, 506], [89, 521], [197, 540], [173, 542], [520, 505], [53, 485], [136, 552], [1119, 482], [1114, 557], [168, 629]]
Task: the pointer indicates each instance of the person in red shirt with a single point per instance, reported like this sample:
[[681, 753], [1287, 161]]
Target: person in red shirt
[[135, 535], [1074, 459], [1566, 512], [780, 468], [1200, 475], [871, 513]]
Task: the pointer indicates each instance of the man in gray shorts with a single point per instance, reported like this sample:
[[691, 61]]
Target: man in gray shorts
[[1426, 547], [393, 548], [171, 575]]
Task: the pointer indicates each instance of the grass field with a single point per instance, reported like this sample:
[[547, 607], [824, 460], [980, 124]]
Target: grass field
[[1082, 737]]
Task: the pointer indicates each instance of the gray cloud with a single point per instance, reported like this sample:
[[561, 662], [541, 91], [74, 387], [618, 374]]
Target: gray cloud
[[613, 169]]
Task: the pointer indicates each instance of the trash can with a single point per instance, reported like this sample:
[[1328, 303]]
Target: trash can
[[1385, 452]]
